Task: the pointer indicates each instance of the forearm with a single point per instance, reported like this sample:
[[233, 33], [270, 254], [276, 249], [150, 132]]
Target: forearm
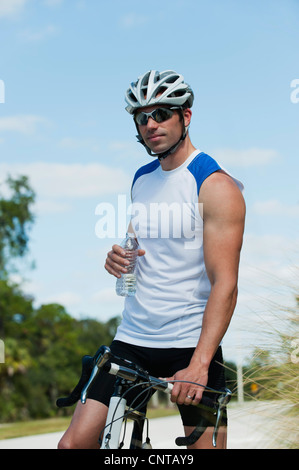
[[216, 319], [217, 316]]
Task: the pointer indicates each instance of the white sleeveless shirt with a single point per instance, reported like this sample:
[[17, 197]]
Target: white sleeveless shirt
[[172, 283]]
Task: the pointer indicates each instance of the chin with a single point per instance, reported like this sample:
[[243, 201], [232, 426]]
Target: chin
[[158, 148]]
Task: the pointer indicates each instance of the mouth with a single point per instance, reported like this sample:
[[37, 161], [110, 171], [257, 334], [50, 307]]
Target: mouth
[[154, 137]]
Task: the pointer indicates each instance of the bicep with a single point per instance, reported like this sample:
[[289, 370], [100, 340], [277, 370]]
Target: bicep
[[223, 222]]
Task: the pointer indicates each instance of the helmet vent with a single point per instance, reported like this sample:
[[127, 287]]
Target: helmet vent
[[155, 88]]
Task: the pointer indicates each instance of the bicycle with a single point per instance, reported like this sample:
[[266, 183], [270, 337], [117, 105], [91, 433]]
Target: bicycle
[[130, 376]]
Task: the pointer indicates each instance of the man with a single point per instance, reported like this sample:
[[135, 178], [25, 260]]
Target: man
[[187, 275]]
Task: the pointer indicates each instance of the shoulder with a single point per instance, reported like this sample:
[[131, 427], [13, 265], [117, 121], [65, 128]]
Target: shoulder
[[201, 161], [146, 169], [221, 196], [201, 167]]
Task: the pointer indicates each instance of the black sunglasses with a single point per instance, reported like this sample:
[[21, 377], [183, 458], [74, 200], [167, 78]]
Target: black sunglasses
[[158, 115]]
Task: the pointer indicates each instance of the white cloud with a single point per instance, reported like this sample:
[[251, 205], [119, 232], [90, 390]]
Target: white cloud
[[32, 36], [131, 20], [263, 247], [277, 208], [56, 180], [11, 7], [68, 299], [246, 158], [23, 124], [43, 207], [52, 3], [107, 303], [268, 283], [77, 144], [105, 295], [122, 146], [269, 268]]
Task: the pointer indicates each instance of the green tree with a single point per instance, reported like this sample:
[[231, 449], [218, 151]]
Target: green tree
[[15, 307], [44, 345], [16, 219]]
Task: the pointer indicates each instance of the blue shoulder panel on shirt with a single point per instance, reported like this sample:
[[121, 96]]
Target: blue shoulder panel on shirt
[[201, 167], [148, 168]]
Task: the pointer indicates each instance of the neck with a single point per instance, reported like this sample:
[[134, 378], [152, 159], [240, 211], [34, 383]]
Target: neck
[[177, 158]]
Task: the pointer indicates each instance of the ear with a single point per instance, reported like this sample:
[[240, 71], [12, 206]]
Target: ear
[[187, 113]]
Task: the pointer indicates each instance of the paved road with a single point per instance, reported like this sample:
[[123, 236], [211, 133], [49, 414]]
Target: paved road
[[251, 426]]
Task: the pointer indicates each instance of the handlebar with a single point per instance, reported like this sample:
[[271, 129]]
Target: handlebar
[[91, 366], [158, 384], [133, 375], [154, 382]]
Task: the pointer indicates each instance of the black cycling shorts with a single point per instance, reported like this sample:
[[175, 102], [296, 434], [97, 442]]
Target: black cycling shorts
[[160, 363]]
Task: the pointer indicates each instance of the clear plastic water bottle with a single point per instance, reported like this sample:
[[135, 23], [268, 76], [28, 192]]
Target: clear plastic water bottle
[[126, 284]]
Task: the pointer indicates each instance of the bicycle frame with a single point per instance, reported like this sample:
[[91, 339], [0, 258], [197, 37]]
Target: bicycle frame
[[118, 411], [114, 422]]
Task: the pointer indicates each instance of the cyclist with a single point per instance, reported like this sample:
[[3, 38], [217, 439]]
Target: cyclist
[[188, 262]]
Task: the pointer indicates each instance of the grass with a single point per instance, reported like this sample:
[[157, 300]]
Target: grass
[[30, 428], [43, 426], [275, 371]]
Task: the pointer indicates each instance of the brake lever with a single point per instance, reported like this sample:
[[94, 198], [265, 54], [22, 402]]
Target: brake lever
[[102, 356], [223, 400], [204, 422]]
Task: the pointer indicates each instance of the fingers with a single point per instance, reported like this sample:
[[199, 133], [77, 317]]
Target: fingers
[[184, 393], [193, 397], [186, 396], [116, 262]]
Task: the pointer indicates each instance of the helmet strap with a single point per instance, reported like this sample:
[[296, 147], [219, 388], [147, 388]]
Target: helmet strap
[[165, 154]]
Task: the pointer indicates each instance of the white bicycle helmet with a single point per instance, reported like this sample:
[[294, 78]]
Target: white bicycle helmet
[[155, 87]]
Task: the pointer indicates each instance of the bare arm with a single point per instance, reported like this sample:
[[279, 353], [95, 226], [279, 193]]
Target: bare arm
[[224, 215]]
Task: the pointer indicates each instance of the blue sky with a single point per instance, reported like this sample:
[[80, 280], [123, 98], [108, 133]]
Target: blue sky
[[65, 65]]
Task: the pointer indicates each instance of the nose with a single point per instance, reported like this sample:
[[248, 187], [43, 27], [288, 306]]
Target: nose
[[151, 123]]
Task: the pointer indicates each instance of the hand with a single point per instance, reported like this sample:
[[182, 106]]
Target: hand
[[116, 262], [186, 393]]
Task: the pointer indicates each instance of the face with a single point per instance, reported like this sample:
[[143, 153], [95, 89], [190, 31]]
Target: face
[[159, 137]]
